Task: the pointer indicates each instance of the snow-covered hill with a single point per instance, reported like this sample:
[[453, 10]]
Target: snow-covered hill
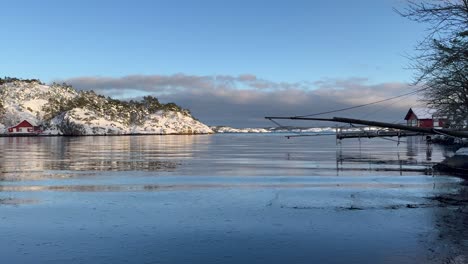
[[61, 110]]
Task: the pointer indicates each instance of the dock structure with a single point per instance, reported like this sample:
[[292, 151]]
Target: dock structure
[[453, 133], [369, 132]]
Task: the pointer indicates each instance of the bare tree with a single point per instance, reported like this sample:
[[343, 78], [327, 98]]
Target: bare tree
[[442, 60]]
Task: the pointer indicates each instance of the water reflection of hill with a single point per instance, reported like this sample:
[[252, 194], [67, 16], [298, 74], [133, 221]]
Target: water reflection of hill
[[27, 156]]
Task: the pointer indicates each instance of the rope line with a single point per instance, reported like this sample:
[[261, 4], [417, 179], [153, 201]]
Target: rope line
[[363, 105]]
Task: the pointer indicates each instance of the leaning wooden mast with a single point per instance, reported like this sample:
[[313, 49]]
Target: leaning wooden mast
[[433, 131]]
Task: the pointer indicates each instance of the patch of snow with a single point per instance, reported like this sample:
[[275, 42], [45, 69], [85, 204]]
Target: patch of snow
[[462, 152], [424, 113], [35, 105]]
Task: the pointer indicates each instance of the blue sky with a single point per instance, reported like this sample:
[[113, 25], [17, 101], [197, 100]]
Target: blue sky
[[279, 41]]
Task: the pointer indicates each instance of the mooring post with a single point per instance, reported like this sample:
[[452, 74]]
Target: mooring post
[[336, 132]]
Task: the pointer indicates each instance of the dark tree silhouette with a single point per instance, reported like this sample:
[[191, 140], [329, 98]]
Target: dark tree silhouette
[[442, 60]]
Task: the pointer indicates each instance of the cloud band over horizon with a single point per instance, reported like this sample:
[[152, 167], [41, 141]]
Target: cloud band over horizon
[[243, 100]]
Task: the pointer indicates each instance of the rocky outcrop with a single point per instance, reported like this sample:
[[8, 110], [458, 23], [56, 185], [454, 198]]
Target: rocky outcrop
[[61, 110]]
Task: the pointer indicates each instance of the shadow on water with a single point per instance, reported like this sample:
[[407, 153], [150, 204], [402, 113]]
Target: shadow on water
[[16, 202]]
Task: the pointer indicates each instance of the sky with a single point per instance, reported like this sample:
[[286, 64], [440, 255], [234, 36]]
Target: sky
[[229, 62]]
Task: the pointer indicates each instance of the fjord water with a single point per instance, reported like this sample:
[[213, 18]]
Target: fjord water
[[226, 198]]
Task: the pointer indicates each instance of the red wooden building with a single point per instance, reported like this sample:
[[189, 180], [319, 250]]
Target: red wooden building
[[24, 127], [424, 117]]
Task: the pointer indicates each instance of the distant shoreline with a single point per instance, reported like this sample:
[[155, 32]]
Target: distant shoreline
[[112, 135]]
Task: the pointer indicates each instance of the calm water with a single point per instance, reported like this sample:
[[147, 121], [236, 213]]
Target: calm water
[[226, 199]]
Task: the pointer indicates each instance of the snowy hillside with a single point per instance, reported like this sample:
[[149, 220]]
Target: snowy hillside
[[61, 110]]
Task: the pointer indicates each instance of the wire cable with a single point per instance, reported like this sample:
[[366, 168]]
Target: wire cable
[[363, 105]]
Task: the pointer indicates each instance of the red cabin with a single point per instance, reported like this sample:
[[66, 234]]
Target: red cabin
[[424, 117], [25, 127]]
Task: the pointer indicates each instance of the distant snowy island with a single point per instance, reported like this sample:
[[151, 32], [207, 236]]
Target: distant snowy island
[[305, 130], [227, 129], [59, 109]]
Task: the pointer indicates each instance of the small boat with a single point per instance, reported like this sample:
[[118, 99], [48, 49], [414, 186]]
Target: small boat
[[457, 163]]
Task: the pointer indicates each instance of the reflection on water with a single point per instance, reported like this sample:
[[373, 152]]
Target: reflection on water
[[223, 184], [371, 162], [418, 156], [60, 157], [23, 156], [127, 163], [148, 198]]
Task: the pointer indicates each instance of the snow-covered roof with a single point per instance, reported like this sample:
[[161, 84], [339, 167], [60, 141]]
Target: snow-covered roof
[[423, 113], [27, 121], [462, 152]]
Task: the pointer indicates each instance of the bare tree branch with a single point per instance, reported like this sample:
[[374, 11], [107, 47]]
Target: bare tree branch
[[442, 60]]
